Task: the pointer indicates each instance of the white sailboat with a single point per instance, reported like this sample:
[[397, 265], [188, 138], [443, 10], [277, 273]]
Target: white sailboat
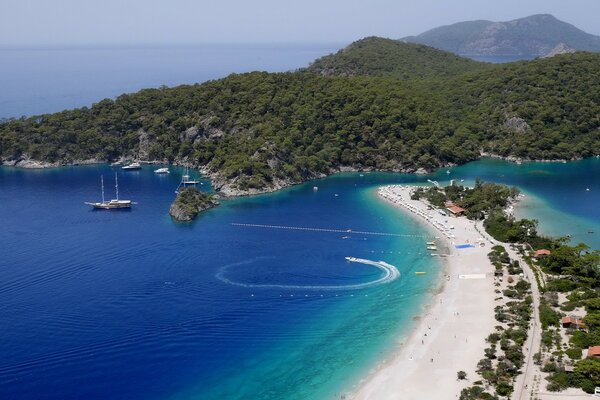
[[186, 180], [112, 204]]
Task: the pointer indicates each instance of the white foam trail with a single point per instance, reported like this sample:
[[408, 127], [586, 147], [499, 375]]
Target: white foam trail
[[390, 273]]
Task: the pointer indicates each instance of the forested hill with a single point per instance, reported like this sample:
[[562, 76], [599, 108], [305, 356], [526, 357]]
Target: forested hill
[[259, 131], [375, 56]]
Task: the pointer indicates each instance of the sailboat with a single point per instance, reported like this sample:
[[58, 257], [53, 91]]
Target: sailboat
[[186, 180], [114, 203]]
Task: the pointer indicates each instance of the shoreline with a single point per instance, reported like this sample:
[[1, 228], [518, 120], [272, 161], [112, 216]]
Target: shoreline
[[225, 189], [450, 334]]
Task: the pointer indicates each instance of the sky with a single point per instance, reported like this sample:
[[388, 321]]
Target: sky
[[127, 22]]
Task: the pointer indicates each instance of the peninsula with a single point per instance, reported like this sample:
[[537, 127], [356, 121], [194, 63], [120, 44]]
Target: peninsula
[[378, 104], [189, 203]]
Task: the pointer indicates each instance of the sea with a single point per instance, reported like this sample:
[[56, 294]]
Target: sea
[[50, 79], [254, 300]]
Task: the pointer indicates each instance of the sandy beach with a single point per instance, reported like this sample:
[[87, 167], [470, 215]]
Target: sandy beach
[[451, 330]]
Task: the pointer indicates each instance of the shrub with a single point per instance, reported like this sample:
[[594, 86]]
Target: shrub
[[574, 353], [561, 285], [461, 375], [504, 388]]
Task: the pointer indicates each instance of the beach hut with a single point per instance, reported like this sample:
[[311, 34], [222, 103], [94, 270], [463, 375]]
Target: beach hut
[[456, 210], [541, 253], [572, 322], [594, 352]]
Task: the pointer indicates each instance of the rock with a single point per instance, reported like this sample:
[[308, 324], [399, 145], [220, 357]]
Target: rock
[[24, 161], [517, 124], [189, 135], [421, 171], [560, 48], [189, 203], [144, 145]]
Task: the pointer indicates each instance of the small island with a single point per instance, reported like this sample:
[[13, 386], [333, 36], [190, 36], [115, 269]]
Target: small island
[[189, 203]]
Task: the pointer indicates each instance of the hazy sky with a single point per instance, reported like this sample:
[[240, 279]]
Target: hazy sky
[[56, 22]]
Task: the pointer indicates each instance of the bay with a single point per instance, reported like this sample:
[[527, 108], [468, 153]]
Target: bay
[[131, 304]]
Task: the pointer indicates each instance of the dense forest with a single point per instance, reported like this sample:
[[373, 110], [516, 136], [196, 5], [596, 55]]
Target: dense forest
[[375, 56], [258, 131]]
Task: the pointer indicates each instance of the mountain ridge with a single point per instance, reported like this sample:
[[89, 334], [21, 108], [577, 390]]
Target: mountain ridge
[[528, 37]]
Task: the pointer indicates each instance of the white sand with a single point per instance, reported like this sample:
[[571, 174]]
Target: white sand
[[456, 322]]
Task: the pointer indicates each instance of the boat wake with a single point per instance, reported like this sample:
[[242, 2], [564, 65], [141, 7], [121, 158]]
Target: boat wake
[[390, 273]]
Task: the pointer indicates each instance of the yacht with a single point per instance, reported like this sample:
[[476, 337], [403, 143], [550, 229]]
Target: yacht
[[162, 171], [132, 166], [111, 204]]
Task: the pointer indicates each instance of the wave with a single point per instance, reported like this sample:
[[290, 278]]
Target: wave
[[390, 273]]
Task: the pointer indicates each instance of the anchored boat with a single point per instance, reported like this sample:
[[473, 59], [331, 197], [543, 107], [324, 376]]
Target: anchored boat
[[186, 180], [132, 166], [111, 204]]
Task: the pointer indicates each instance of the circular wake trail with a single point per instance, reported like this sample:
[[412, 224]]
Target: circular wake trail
[[390, 273]]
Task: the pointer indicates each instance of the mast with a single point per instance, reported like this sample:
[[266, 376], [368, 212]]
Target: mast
[[102, 184], [117, 186]]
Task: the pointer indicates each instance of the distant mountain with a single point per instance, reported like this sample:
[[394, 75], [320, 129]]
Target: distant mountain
[[529, 37], [375, 56]]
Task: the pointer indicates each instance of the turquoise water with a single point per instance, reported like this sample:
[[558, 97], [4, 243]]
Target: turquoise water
[[557, 194], [129, 304]]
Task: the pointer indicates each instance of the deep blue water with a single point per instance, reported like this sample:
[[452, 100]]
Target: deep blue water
[[128, 305], [45, 80]]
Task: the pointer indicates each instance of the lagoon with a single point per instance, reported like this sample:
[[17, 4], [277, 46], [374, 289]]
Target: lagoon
[[129, 304]]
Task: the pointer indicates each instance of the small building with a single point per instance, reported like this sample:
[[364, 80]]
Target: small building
[[456, 210], [594, 352], [572, 322], [541, 253]]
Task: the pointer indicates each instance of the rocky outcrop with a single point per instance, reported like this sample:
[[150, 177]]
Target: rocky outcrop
[[24, 161], [560, 48], [144, 145], [203, 131], [517, 124], [189, 203]]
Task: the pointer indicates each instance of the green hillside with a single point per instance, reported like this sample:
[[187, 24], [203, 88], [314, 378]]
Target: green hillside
[[261, 131], [375, 56]]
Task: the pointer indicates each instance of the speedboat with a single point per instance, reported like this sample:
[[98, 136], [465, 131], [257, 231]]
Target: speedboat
[[132, 166], [162, 171]]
